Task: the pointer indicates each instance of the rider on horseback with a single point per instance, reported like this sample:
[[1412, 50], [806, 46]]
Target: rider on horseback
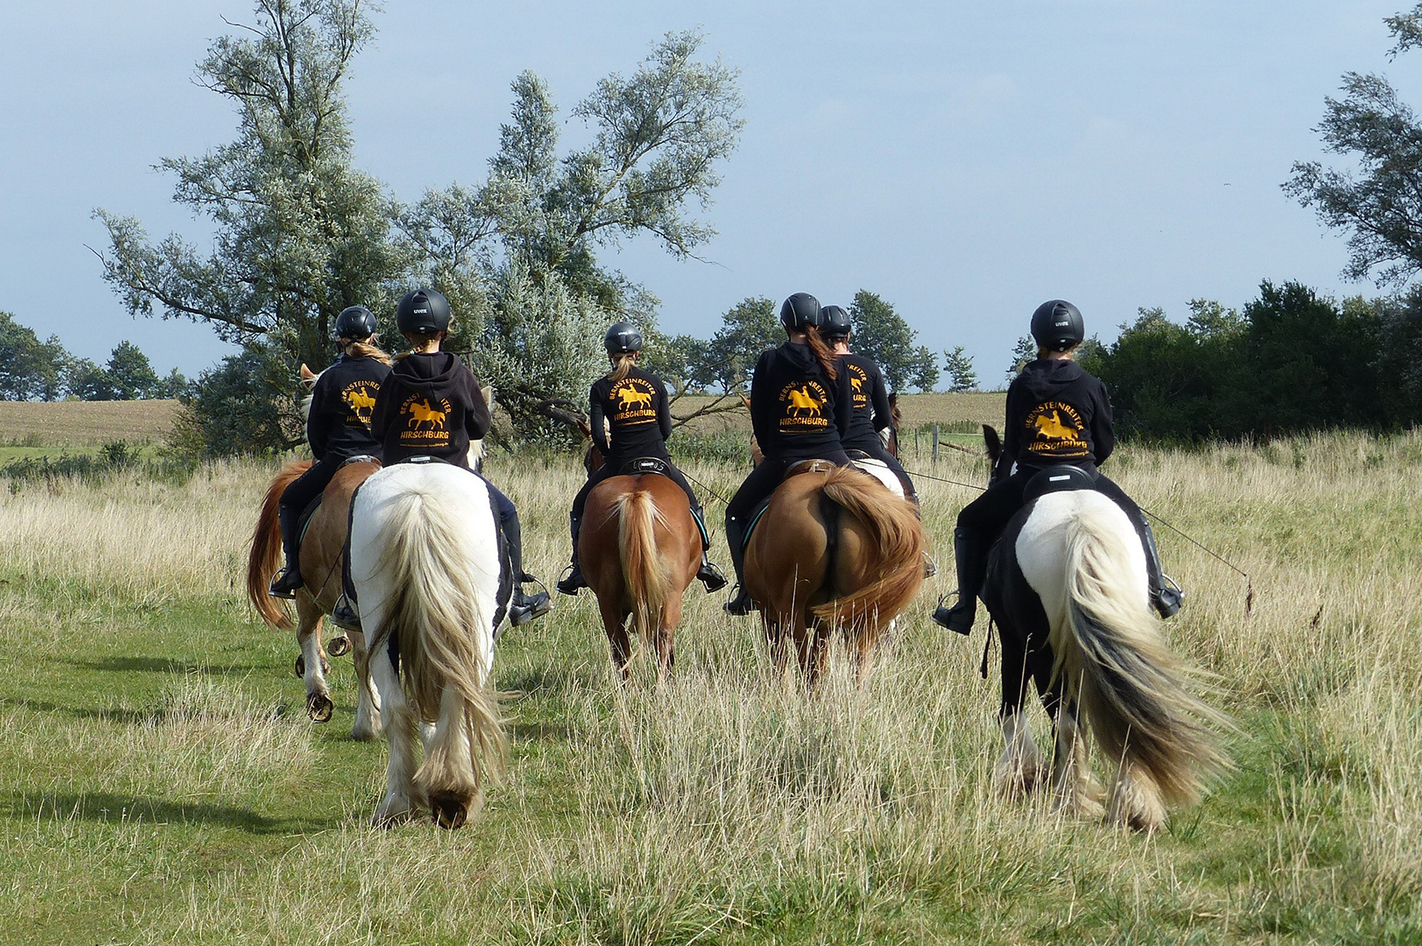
[[634, 404], [337, 428], [431, 408], [800, 404], [1056, 414]]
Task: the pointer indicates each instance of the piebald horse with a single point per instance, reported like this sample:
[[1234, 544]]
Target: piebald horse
[[1067, 588], [430, 570], [834, 551]]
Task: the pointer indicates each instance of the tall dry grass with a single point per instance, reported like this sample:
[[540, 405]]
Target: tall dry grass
[[730, 807]]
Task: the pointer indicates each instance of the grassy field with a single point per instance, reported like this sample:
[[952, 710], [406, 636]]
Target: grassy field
[[161, 782]]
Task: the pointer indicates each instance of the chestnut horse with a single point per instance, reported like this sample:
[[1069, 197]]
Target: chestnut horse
[[640, 549], [834, 551], [321, 550]]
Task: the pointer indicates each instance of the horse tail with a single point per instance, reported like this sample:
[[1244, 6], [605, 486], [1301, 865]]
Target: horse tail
[[438, 616], [1133, 689], [644, 568], [265, 556], [895, 547]]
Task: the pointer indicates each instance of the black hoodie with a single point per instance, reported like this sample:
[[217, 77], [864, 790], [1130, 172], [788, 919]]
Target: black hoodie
[[796, 410], [871, 403], [1057, 413], [338, 420], [430, 405]]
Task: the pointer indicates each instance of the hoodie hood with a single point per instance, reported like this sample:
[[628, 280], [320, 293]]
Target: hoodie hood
[[802, 356], [1046, 378], [426, 373]]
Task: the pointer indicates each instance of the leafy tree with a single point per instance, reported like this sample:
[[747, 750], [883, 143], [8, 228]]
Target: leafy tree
[[299, 233], [1380, 208], [89, 381], [173, 385], [1209, 319], [29, 368], [959, 366], [747, 329], [233, 409], [537, 222], [131, 374], [883, 335], [1023, 354]]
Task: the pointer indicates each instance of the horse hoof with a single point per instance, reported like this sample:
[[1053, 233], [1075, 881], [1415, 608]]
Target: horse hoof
[[449, 810], [339, 646], [319, 707], [300, 667]]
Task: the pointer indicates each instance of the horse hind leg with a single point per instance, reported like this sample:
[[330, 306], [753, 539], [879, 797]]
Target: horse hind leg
[[367, 717], [1020, 771], [311, 663], [447, 777], [1135, 801], [1072, 785], [400, 803]]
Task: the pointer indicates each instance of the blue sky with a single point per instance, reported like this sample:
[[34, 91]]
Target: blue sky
[[965, 161]]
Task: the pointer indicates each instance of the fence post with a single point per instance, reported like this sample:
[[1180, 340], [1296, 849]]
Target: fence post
[[935, 444]]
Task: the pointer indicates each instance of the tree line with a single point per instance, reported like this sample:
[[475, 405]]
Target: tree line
[[35, 370]]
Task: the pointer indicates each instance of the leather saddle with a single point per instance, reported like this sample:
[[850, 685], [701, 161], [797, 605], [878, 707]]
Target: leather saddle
[[1057, 479]]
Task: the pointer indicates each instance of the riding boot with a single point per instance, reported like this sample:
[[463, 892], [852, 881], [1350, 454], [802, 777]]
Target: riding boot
[[708, 574], [573, 580], [285, 583], [1165, 595], [522, 607], [959, 618], [741, 603]]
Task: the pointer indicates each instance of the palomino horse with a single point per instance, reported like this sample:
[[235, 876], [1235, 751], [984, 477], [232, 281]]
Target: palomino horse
[[429, 566], [834, 551], [1067, 588], [640, 549]]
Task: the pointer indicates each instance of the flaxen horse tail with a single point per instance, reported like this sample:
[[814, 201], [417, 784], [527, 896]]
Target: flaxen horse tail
[[435, 615], [644, 568], [265, 555], [1134, 690], [895, 548]]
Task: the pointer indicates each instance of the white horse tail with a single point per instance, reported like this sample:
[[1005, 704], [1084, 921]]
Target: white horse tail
[[1133, 689], [644, 568], [427, 576]]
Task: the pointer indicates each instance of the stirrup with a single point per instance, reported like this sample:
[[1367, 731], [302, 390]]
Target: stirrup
[[711, 576], [952, 618], [1167, 600], [523, 608], [571, 581], [741, 604], [344, 615], [282, 586]]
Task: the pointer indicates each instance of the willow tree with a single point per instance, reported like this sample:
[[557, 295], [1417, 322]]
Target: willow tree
[[530, 234], [299, 233]]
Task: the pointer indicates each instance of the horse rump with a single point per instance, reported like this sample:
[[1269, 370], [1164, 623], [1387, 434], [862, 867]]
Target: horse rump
[[1134, 689]]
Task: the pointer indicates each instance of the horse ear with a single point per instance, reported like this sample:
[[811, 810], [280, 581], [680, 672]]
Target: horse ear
[[488, 392], [746, 401], [992, 441], [583, 426]]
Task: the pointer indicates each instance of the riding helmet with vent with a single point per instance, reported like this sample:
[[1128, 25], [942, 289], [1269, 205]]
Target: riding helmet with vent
[[353, 324], [423, 312], [799, 312], [834, 322], [1057, 325], [622, 338]]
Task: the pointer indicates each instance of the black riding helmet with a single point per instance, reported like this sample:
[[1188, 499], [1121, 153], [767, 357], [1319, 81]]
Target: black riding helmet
[[423, 312], [622, 338], [834, 322], [1057, 325], [799, 312], [355, 323]]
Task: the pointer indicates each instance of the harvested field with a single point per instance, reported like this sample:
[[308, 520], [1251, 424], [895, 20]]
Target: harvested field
[[85, 423]]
